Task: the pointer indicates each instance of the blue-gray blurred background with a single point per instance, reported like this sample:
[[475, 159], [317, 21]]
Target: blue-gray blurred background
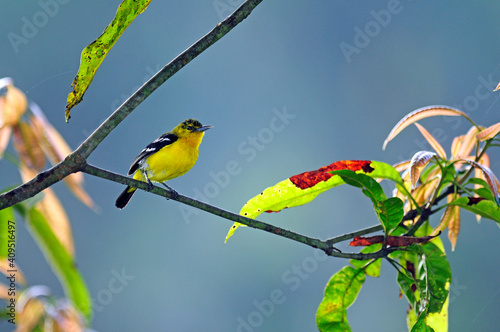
[[296, 86]]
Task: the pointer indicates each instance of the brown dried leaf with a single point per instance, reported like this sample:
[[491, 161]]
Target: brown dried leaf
[[447, 215], [5, 266], [455, 145], [489, 132], [432, 141], [468, 143], [4, 292], [418, 162], [14, 106], [4, 139], [47, 147], [53, 141], [74, 183], [67, 319], [31, 316], [402, 166], [56, 149], [30, 310], [424, 191], [50, 207], [28, 146], [419, 114], [454, 226]]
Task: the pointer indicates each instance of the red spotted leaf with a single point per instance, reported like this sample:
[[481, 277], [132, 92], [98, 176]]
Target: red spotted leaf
[[303, 188], [309, 179]]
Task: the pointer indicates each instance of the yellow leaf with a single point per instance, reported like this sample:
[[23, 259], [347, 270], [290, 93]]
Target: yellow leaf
[[438, 321], [432, 141], [303, 188], [419, 114]]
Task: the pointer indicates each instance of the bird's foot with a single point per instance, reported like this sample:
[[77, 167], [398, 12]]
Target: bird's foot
[[172, 191], [150, 185]]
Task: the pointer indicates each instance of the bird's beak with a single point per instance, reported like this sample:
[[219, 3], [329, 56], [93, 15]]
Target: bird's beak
[[203, 128]]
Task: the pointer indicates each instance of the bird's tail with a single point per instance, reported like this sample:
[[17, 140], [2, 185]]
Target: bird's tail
[[124, 197]]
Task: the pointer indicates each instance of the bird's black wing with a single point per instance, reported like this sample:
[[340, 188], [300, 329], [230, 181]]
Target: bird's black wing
[[153, 147]]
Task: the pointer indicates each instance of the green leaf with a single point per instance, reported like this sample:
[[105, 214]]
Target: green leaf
[[368, 185], [389, 211], [425, 283], [421, 326], [484, 191], [94, 54], [485, 208], [438, 273], [341, 291], [373, 269], [61, 262], [6, 231]]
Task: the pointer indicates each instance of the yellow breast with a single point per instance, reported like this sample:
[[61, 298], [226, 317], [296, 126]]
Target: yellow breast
[[172, 160]]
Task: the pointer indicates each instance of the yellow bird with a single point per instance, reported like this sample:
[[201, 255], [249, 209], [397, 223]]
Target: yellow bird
[[169, 156]]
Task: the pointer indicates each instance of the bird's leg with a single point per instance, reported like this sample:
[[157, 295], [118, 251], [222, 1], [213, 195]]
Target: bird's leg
[[150, 184], [172, 190]]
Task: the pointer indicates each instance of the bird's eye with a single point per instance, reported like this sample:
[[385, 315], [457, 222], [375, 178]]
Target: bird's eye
[[190, 128]]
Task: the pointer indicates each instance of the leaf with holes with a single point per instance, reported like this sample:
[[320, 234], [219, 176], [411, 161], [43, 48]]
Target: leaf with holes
[[93, 55], [479, 205]]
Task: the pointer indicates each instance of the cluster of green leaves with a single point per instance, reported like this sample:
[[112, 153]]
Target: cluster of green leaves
[[408, 242]]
